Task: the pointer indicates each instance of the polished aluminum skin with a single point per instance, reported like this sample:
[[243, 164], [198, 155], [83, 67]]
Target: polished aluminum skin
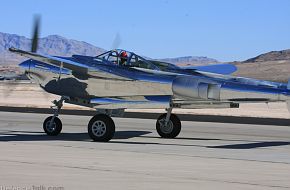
[[106, 82]]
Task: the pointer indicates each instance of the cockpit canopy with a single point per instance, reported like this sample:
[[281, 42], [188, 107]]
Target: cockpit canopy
[[130, 59]]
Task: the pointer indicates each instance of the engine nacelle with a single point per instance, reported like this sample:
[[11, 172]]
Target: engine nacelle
[[195, 88]]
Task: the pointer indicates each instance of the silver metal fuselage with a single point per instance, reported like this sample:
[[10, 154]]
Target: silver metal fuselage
[[190, 91], [67, 84]]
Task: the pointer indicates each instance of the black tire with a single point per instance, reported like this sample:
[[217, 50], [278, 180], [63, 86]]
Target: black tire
[[56, 126], [173, 128], [101, 128]]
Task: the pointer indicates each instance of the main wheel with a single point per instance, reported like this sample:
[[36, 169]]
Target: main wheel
[[54, 129], [171, 130], [101, 128]]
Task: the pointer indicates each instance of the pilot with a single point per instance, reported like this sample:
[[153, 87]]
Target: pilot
[[123, 57]]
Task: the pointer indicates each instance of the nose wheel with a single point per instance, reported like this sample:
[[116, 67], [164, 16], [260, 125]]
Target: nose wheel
[[52, 127]]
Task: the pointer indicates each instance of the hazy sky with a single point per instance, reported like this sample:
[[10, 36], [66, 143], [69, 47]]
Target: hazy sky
[[223, 29]]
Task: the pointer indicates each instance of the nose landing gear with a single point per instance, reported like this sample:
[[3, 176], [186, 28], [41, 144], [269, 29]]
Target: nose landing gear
[[52, 125]]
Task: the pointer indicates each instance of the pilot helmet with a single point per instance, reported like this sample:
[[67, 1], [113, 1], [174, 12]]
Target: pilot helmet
[[123, 56]]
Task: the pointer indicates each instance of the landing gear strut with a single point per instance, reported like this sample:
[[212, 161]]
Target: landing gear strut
[[101, 127], [168, 125], [52, 125]]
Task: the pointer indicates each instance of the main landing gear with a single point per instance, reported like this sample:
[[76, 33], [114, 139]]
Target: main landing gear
[[101, 127], [168, 125]]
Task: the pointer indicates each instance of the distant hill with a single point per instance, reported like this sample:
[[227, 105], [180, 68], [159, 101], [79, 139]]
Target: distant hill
[[54, 45], [271, 56], [272, 66]]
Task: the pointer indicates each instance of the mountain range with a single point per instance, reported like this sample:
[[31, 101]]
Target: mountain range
[[274, 66], [61, 46], [53, 45]]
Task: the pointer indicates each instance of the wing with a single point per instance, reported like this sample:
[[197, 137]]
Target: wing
[[224, 69], [151, 102], [134, 102], [78, 69]]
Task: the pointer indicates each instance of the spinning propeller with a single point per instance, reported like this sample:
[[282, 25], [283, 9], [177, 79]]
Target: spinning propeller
[[35, 35], [116, 42], [12, 85]]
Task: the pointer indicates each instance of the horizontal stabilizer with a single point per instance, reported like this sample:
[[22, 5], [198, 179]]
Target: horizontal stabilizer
[[224, 69]]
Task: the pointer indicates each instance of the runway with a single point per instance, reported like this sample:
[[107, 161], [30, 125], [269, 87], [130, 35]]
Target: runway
[[206, 155]]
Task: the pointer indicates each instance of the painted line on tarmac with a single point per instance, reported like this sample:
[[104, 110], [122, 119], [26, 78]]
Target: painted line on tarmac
[[142, 115]]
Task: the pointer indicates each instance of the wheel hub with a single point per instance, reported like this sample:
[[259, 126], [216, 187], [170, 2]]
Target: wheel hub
[[50, 127], [166, 128], [99, 128]]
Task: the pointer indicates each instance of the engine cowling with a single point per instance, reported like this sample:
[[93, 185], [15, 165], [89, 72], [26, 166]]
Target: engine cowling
[[195, 88]]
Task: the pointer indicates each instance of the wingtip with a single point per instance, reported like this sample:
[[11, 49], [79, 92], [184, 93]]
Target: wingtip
[[12, 49]]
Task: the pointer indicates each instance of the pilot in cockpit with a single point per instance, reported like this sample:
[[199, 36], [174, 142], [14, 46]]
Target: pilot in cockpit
[[123, 57]]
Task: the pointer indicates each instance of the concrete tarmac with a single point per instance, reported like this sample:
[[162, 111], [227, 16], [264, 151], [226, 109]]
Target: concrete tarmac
[[206, 155]]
